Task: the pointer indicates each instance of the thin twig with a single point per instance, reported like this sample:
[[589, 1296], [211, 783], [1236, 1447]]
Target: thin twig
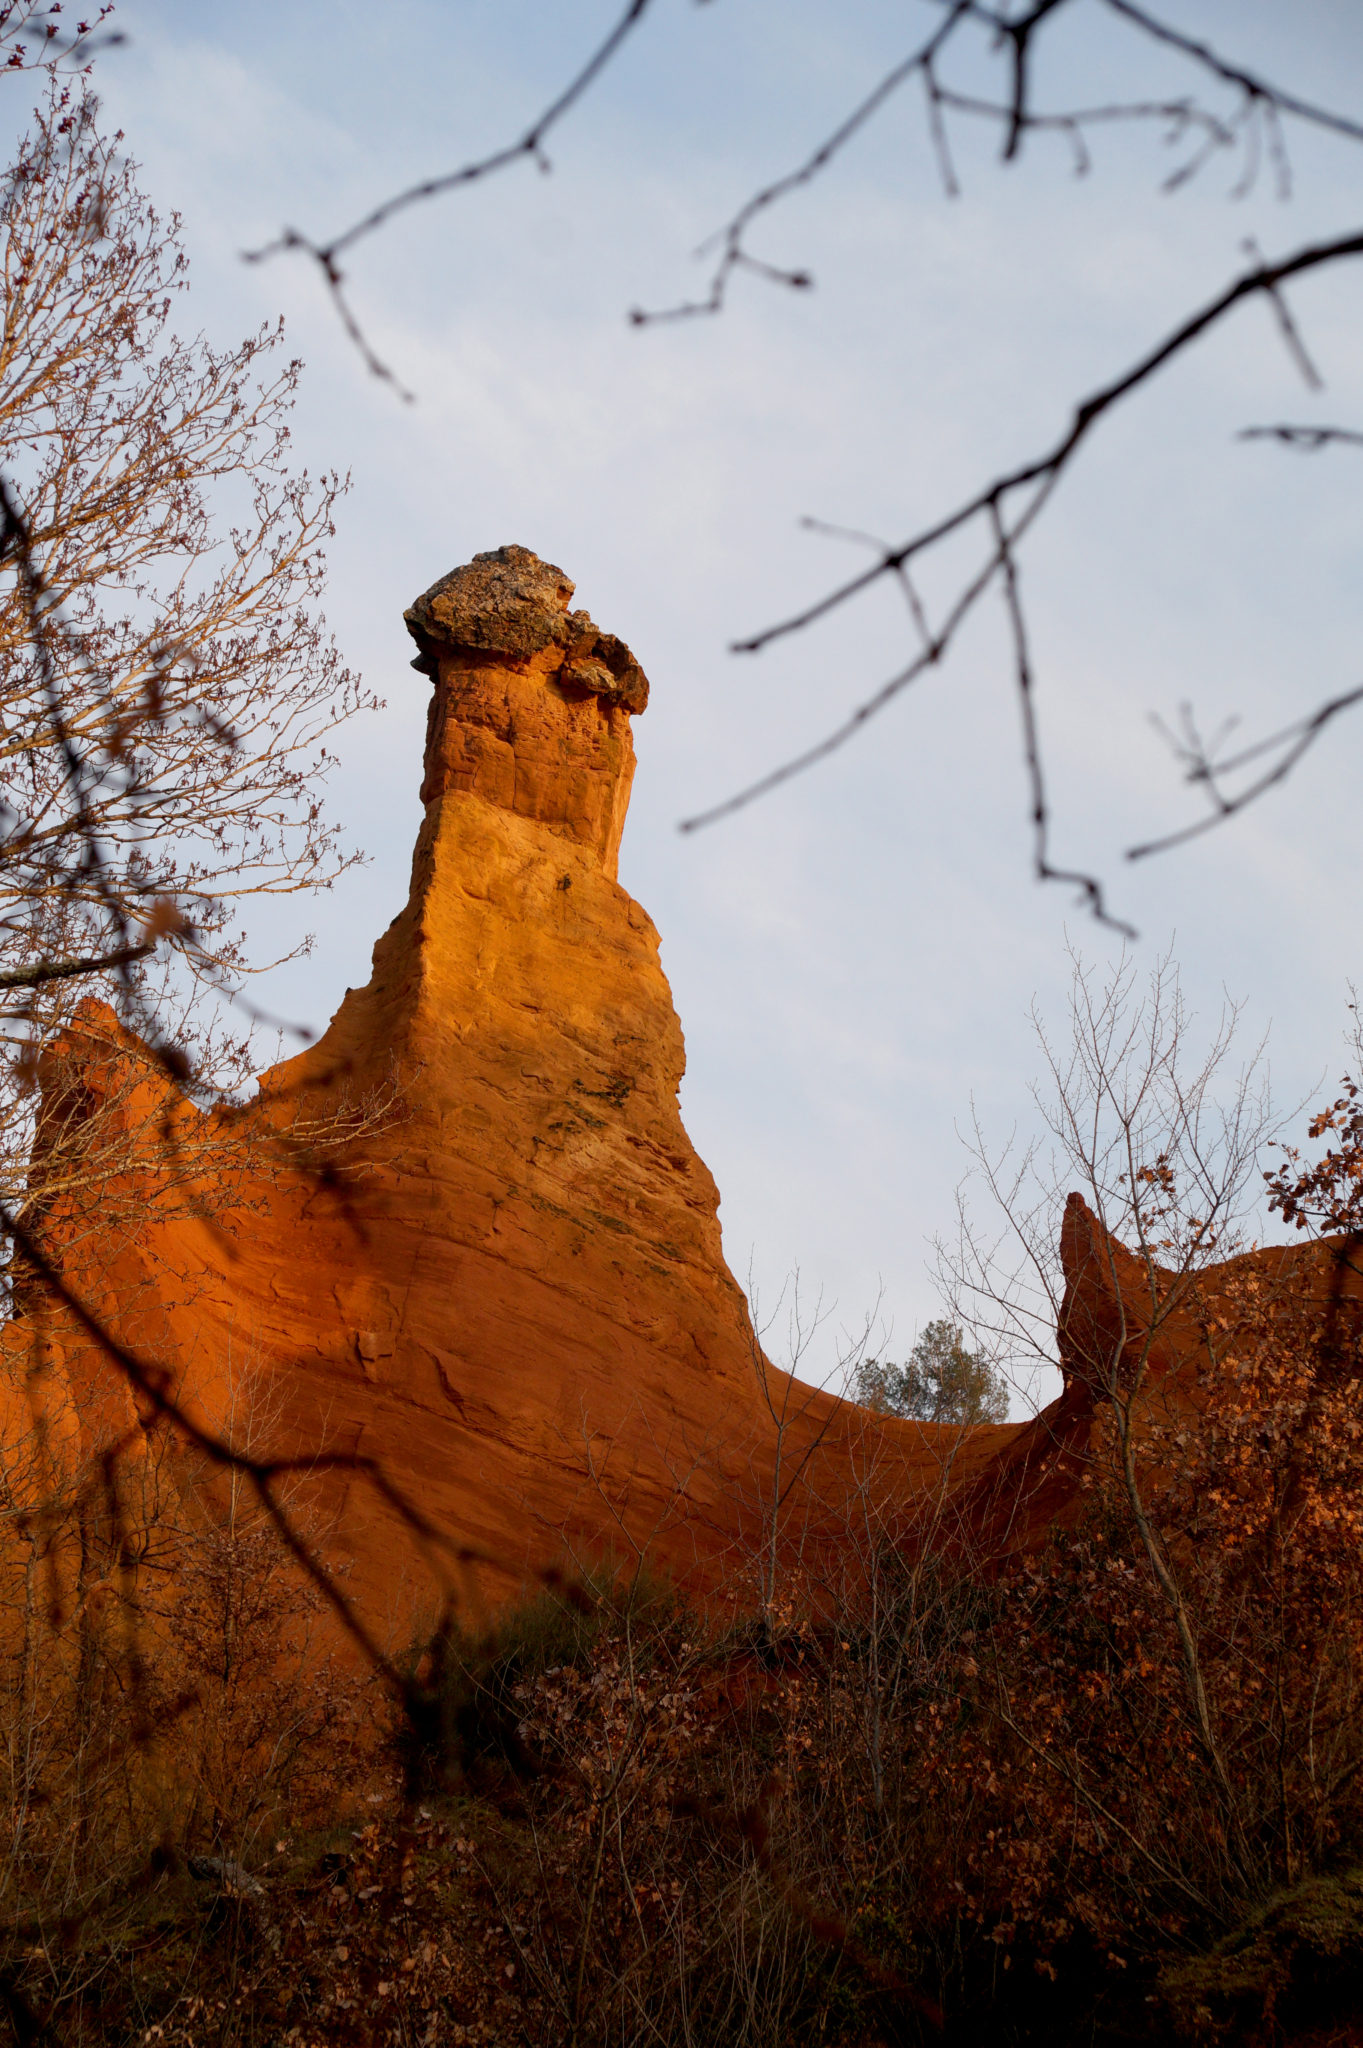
[[529, 144], [1300, 736], [1308, 438], [1022, 660]]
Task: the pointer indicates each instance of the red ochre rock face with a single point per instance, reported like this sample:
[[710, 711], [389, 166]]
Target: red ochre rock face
[[502, 1333]]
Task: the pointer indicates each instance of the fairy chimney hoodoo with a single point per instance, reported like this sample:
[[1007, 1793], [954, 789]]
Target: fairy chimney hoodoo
[[532, 704], [513, 1300]]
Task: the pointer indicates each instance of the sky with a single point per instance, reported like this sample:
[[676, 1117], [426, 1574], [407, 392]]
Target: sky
[[857, 958]]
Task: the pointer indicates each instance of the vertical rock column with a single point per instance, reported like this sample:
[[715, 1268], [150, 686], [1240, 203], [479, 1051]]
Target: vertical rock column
[[532, 704]]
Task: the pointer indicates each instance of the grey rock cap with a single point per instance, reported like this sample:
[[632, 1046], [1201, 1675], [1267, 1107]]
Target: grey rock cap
[[511, 603]]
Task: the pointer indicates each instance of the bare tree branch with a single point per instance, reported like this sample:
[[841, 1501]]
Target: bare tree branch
[[1090, 888], [43, 971], [1248, 82], [530, 144], [1264, 277], [1017, 115], [1035, 480], [733, 255], [1308, 438], [34, 23], [1254, 124]]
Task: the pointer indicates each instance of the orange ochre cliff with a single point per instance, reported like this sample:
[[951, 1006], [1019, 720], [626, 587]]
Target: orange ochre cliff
[[501, 1313]]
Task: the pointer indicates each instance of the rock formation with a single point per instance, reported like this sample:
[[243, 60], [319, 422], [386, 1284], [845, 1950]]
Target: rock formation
[[510, 1298], [506, 1302]]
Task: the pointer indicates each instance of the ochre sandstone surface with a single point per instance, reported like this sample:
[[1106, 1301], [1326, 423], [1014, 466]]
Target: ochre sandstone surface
[[509, 1298]]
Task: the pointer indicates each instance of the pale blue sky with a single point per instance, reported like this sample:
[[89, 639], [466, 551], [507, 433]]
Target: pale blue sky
[[853, 959]]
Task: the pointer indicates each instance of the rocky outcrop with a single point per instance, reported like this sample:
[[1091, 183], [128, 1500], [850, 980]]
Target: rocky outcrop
[[505, 1298], [460, 1260], [532, 704]]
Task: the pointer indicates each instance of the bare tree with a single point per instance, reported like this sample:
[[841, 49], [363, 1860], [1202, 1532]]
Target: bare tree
[[787, 1494], [167, 690], [166, 685]]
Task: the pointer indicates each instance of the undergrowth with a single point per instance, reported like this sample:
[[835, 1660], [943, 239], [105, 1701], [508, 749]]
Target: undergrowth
[[615, 1827]]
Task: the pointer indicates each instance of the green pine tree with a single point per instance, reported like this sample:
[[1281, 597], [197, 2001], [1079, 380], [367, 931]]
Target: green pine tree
[[940, 1381]]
